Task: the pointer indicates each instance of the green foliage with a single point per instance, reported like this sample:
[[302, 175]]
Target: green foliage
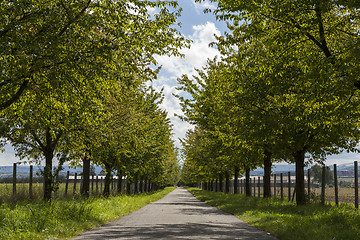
[[286, 84], [49, 42], [284, 220], [316, 174], [66, 218], [73, 84]]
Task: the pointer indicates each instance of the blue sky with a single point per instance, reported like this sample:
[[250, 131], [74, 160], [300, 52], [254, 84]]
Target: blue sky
[[200, 28]]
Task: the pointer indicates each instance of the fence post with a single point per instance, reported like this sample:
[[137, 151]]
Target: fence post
[[128, 186], [14, 179], [81, 178], [92, 184], [336, 186], [236, 181], [97, 184], [67, 182], [323, 185], [119, 182], [282, 186], [274, 185], [356, 185], [254, 186], [308, 179], [259, 186], [241, 186], [56, 192], [31, 182], [289, 185], [250, 186], [75, 177]]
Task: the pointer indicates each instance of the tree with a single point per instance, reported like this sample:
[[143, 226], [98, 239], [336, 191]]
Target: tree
[[39, 127], [295, 55], [219, 106], [316, 174], [61, 61], [61, 37]]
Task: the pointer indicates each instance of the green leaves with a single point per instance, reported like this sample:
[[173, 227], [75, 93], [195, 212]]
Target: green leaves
[[282, 84], [41, 38], [73, 81]]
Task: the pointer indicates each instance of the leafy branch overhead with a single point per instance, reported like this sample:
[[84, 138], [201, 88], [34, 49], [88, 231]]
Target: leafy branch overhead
[[73, 85], [286, 85]]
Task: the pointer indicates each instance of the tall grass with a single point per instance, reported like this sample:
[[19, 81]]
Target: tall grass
[[285, 220], [64, 218]]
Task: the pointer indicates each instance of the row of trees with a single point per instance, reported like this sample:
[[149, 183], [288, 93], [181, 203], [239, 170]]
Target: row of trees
[[286, 88], [73, 86]]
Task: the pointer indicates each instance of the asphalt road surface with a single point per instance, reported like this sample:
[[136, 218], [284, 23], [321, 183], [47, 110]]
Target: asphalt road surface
[[179, 215]]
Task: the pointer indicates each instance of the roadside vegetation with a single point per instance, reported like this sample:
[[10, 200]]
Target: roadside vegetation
[[285, 88], [284, 219], [65, 218]]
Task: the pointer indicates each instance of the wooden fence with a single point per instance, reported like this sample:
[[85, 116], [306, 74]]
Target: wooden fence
[[70, 187], [283, 187]]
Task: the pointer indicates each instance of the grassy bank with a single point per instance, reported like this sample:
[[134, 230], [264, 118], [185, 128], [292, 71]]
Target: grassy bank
[[285, 220], [64, 218]]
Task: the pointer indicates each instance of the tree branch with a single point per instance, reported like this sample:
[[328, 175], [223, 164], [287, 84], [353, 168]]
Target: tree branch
[[325, 48], [37, 139], [16, 96], [63, 30]]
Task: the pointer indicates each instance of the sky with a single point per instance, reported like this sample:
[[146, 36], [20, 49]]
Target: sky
[[200, 28]]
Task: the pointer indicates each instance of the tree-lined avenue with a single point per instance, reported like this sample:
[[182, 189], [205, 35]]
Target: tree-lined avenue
[[179, 215]]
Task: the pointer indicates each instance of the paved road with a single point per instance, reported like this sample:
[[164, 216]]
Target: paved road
[[178, 215]]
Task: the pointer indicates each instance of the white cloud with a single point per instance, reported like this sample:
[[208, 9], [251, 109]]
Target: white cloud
[[151, 10], [196, 56], [200, 7], [172, 106], [174, 67]]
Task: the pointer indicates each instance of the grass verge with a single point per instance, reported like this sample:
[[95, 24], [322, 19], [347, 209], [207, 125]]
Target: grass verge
[[285, 220], [65, 218]]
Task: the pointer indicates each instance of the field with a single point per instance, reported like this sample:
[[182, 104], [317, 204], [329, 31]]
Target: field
[[285, 220], [346, 195], [64, 218]]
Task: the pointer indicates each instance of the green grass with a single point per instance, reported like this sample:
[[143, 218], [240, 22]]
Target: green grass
[[65, 218], [285, 220]]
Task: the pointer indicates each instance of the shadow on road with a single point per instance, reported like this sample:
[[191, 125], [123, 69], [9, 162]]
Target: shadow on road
[[178, 231]]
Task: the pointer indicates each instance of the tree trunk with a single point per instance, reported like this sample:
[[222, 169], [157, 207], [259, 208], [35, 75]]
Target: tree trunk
[[141, 185], [247, 182], [119, 185], [136, 189], [221, 183], [128, 187], [300, 183], [146, 185], [227, 182], [236, 177], [86, 176], [267, 174], [48, 177], [106, 192]]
